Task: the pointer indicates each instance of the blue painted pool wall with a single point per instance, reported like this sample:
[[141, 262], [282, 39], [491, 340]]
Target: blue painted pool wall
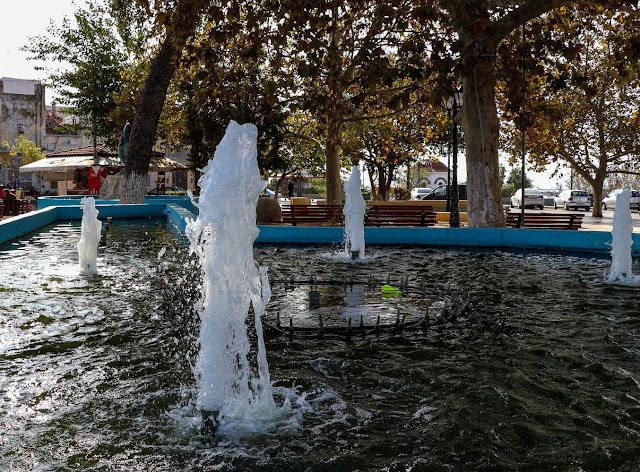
[[300, 234], [178, 216], [588, 241], [113, 211], [74, 200], [22, 224]]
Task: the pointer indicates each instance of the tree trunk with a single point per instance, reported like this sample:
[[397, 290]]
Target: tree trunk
[[597, 200], [371, 171], [145, 123], [481, 128], [382, 183], [279, 182], [332, 156]]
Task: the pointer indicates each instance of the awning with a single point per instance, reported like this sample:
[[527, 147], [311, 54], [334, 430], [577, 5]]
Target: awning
[[55, 168]]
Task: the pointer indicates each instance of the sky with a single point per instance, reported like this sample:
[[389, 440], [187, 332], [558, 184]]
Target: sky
[[26, 18], [22, 19]]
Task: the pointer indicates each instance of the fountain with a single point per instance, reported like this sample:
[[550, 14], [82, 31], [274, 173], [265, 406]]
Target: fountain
[[98, 372], [622, 242], [90, 237], [222, 236], [354, 210]]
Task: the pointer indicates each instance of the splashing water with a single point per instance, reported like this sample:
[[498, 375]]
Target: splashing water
[[354, 210], [621, 243], [89, 238], [223, 236]]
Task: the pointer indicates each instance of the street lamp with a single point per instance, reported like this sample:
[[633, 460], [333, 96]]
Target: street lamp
[[452, 105], [448, 208]]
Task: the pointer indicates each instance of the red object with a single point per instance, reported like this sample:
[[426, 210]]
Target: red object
[[94, 179]]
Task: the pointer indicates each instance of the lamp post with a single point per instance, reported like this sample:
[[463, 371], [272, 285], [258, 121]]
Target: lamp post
[[452, 104], [448, 208]]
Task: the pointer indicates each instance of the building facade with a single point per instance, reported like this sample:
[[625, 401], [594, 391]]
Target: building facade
[[22, 113]]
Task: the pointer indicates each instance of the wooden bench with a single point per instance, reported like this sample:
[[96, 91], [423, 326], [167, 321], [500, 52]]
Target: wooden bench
[[312, 214], [545, 220], [400, 215]]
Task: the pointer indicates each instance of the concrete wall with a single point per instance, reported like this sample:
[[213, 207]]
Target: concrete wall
[[64, 142], [22, 110]]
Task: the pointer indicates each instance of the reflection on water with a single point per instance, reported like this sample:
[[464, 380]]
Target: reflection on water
[[542, 374]]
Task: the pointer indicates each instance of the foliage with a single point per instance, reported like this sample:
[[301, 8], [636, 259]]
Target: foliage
[[28, 150], [343, 62], [514, 182], [386, 143], [400, 193], [302, 148], [66, 129], [316, 188], [583, 109], [91, 46], [225, 81]]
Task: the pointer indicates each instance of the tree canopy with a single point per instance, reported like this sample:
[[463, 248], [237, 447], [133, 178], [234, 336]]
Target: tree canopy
[[92, 57], [584, 100], [28, 150]]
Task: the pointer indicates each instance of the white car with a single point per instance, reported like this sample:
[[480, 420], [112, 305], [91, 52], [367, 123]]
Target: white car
[[609, 202], [419, 192], [575, 199], [532, 198]]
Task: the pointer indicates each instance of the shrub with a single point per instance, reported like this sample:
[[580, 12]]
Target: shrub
[[400, 193]]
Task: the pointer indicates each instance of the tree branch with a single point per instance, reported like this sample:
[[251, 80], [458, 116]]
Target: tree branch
[[292, 134]]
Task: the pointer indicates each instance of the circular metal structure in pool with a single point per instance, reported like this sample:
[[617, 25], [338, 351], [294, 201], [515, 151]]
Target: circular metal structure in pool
[[356, 306]]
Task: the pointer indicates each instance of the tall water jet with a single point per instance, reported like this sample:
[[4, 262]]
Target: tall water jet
[[89, 237], [222, 236], [622, 241], [354, 210]]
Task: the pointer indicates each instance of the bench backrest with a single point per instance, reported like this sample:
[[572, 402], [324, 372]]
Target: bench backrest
[[406, 215], [545, 220]]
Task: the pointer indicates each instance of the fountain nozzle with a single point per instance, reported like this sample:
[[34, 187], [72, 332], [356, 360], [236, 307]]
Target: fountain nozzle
[[209, 422]]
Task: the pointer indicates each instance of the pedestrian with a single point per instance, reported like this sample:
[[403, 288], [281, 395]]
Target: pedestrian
[[290, 187]]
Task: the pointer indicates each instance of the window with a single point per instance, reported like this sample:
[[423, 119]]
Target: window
[[441, 191]]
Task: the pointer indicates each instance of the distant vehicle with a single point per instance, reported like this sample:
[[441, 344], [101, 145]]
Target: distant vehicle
[[548, 196], [440, 193], [419, 192], [532, 199], [168, 191], [271, 193], [575, 199], [609, 202]]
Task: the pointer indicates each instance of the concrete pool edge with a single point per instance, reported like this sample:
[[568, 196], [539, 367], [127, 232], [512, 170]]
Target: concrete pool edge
[[578, 241]]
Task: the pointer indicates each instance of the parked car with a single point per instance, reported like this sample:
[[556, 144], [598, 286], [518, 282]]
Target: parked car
[[419, 192], [440, 193], [609, 202], [549, 195], [168, 191], [532, 199], [575, 199], [270, 193]]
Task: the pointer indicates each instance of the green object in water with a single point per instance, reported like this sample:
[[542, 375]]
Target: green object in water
[[390, 292]]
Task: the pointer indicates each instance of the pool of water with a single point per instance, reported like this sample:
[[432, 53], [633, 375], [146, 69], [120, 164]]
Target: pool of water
[[542, 373]]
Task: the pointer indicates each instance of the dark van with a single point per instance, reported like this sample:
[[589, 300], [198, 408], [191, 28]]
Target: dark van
[[440, 193]]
